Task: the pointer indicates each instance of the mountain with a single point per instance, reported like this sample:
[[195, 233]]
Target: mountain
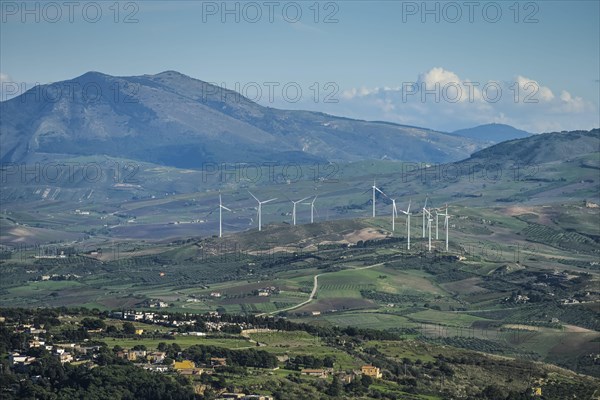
[[172, 119], [492, 133], [542, 148]]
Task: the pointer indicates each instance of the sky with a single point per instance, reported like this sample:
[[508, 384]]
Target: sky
[[440, 65]]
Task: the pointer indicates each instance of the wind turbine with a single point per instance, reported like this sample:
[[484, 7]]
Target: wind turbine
[[394, 215], [375, 188], [294, 209], [260, 203], [407, 213], [312, 209], [437, 214], [429, 221], [424, 211], [446, 218], [221, 208]]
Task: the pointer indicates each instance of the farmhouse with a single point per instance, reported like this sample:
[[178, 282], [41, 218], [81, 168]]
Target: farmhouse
[[319, 373], [218, 362], [371, 371], [187, 367], [156, 356]]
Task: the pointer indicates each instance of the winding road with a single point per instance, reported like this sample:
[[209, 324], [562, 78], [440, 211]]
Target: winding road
[[314, 290]]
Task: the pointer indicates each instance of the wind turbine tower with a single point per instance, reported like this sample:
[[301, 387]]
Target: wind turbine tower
[[429, 221], [260, 203], [437, 214], [407, 213], [446, 223], [424, 211], [294, 209], [375, 188], [221, 208], [394, 215], [312, 209]]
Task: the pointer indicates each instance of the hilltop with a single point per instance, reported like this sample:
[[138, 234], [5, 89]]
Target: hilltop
[[493, 133]]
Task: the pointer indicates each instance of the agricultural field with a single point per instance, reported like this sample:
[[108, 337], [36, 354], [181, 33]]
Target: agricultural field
[[366, 276]]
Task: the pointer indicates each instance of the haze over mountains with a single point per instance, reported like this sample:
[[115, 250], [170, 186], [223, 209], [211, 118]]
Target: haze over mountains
[[175, 120], [493, 133]]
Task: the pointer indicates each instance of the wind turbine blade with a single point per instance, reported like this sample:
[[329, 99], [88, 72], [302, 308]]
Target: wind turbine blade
[[408, 209], [306, 198], [379, 190], [226, 208], [269, 200], [253, 196]]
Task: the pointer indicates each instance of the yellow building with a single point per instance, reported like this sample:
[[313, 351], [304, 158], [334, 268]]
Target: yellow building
[[185, 364], [371, 371], [139, 331], [187, 367]]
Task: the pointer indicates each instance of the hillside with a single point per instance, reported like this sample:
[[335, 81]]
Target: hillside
[[543, 148], [172, 119], [492, 133]]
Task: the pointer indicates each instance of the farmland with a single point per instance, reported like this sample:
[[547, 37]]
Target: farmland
[[510, 263]]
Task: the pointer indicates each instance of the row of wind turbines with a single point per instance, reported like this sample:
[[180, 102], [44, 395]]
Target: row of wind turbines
[[427, 215], [259, 212]]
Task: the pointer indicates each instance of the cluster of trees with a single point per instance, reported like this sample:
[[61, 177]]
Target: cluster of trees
[[309, 361], [243, 358]]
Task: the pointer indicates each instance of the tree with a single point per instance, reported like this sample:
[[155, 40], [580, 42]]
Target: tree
[[335, 388], [493, 392], [93, 323], [366, 381], [128, 328]]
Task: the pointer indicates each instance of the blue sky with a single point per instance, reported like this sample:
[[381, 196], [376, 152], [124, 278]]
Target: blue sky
[[360, 53]]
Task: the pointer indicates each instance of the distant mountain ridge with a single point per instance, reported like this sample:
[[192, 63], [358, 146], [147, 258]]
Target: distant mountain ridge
[[172, 119], [492, 133], [543, 148]]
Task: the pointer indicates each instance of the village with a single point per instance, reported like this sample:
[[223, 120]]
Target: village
[[87, 347]]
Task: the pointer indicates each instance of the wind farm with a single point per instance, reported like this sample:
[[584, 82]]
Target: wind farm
[[300, 201], [427, 216]]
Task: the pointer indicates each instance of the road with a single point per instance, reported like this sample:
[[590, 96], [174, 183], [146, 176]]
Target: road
[[314, 291]]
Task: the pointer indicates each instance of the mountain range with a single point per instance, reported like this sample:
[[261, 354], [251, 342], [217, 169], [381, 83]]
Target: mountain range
[[174, 120], [492, 133]]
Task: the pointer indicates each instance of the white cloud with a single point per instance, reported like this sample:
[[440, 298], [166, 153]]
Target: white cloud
[[441, 99], [5, 78], [531, 88]]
